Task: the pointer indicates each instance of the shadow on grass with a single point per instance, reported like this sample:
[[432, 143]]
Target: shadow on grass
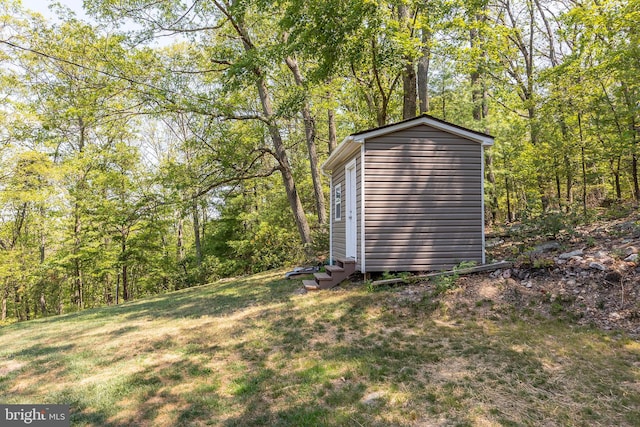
[[208, 300], [313, 362], [39, 350]]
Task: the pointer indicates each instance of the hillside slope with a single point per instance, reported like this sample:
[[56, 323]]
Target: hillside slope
[[253, 352]]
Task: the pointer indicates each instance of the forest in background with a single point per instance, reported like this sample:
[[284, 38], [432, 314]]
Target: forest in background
[[165, 144]]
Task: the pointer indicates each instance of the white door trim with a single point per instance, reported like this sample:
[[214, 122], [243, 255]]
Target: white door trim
[[351, 210]]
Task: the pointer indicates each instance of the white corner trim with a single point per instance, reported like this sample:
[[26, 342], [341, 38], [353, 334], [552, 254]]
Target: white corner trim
[[331, 196], [363, 259], [484, 261]]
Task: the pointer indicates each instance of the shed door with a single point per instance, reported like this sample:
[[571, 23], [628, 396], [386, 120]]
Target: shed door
[[351, 210]]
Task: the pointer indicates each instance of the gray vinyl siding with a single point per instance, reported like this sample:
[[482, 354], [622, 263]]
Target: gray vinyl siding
[[339, 228], [423, 200]]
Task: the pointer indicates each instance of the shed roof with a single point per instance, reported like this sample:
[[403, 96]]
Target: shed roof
[[352, 142]]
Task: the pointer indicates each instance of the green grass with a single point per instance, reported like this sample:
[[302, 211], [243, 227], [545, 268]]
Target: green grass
[[251, 352]]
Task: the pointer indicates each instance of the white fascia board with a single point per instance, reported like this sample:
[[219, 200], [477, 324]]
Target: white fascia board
[[485, 140], [346, 148]]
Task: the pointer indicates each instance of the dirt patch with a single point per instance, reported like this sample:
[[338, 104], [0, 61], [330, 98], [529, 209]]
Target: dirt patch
[[10, 366], [590, 276]]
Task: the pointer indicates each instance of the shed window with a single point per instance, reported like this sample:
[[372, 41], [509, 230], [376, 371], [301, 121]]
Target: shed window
[[337, 199]]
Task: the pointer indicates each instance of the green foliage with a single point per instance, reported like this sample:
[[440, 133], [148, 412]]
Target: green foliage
[[551, 224], [446, 282], [161, 166]]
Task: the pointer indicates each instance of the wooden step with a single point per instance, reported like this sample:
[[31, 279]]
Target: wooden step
[[331, 269], [311, 285], [348, 264], [322, 277]]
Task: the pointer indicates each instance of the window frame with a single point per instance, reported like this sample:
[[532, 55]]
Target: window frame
[[337, 202]]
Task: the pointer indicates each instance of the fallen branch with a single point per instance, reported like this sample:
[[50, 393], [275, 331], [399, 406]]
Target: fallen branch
[[462, 271]]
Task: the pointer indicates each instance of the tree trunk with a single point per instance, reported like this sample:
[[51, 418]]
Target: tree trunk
[[558, 188], [17, 303], [280, 150], [409, 79], [476, 89], [78, 283], [443, 97], [409, 106], [196, 232], [584, 182], [310, 137], [634, 174], [124, 272], [508, 190], [180, 241], [3, 309], [283, 160], [584, 167], [333, 135], [569, 188], [77, 265], [632, 107], [617, 178], [491, 177], [125, 284], [117, 288], [27, 308], [423, 72]]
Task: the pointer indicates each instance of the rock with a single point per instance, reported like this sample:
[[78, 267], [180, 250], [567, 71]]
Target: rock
[[627, 225], [545, 247], [561, 261], [597, 266], [494, 242], [495, 274], [567, 255], [527, 284], [600, 255], [571, 282], [631, 250], [372, 398], [632, 258], [613, 277], [506, 274], [615, 316]]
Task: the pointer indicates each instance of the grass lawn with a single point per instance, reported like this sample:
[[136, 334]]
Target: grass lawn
[[252, 352]]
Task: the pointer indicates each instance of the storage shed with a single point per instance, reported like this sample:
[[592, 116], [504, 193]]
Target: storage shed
[[408, 196]]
